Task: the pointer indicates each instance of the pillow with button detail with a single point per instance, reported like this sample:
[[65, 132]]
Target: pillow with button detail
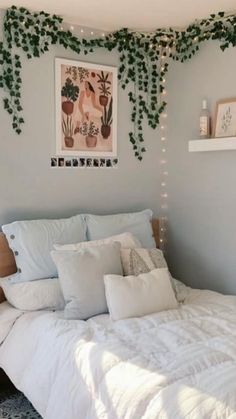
[[32, 242], [140, 261]]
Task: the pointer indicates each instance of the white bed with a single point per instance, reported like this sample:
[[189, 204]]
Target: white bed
[[174, 364]]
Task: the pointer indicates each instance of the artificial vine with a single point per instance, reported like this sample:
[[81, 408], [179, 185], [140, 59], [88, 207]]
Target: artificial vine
[[142, 68]]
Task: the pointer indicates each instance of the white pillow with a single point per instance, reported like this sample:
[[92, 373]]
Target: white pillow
[[136, 296], [34, 295], [126, 240], [81, 278], [32, 242], [137, 223]]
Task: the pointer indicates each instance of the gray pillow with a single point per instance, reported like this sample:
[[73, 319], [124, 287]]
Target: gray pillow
[[81, 278]]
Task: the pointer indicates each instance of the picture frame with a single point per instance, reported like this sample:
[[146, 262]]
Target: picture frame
[[86, 109], [225, 118]]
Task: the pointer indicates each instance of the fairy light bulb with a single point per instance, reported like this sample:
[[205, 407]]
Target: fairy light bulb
[[72, 28], [81, 30], [92, 33]]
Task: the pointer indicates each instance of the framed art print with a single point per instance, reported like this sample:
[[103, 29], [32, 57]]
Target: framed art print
[[86, 109], [225, 119]]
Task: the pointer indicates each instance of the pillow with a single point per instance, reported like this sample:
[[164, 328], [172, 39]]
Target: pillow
[[34, 295], [81, 278], [137, 223], [136, 296], [126, 240], [140, 261], [32, 241]]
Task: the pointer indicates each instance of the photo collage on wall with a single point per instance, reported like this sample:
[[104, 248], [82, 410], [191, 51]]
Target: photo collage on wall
[[86, 115], [82, 162]]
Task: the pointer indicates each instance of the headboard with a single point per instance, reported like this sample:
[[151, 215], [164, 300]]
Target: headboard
[[7, 260]]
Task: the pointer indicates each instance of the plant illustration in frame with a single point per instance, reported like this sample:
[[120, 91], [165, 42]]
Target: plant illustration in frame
[[86, 109], [225, 119]]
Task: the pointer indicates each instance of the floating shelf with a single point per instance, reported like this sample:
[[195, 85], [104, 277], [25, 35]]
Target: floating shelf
[[212, 144]]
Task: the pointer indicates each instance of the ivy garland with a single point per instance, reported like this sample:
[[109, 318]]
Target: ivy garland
[[142, 67]]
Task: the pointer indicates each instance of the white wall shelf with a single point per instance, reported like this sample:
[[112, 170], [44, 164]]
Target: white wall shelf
[[212, 144]]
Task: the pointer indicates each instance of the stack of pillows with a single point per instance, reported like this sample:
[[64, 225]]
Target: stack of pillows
[[77, 264]]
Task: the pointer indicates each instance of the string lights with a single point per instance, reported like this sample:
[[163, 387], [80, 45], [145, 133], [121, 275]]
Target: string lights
[[86, 31], [163, 161]]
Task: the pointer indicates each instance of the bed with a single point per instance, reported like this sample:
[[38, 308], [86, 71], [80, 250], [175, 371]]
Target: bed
[[173, 364]]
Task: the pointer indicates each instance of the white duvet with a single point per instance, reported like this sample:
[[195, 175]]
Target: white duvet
[[175, 364]]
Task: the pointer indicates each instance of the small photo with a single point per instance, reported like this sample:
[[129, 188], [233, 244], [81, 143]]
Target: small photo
[[82, 162], [114, 162], [96, 163], [102, 163], [75, 162], [68, 162], [108, 163], [89, 163], [53, 162], [61, 162]]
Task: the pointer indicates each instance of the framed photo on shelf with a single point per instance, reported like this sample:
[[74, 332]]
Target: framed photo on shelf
[[225, 118], [86, 109]]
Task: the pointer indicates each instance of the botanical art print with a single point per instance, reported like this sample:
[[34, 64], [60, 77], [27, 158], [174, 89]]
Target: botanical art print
[[86, 100], [225, 124]]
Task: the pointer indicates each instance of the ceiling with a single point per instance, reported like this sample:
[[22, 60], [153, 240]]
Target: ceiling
[[135, 14]]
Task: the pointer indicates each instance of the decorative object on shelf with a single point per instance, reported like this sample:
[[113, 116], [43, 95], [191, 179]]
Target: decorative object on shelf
[[82, 163], [204, 121], [86, 107], [140, 53], [225, 119]]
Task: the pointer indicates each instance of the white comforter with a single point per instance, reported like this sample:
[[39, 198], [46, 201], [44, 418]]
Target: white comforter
[[175, 364]]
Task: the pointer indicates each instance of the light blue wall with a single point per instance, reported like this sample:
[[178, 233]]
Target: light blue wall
[[202, 191], [29, 188]]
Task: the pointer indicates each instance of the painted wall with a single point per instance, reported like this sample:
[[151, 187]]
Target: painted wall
[[202, 192], [29, 188]]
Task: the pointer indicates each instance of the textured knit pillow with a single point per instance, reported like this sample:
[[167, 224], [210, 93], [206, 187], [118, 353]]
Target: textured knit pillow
[[140, 261], [32, 241]]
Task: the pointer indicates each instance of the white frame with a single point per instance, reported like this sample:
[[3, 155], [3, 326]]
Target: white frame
[[99, 67]]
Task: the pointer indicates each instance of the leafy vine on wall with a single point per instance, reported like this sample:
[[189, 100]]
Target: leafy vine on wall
[[141, 69]]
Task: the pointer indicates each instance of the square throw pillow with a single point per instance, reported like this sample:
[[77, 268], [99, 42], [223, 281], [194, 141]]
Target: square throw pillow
[[81, 278], [32, 242], [126, 240], [137, 223], [136, 296]]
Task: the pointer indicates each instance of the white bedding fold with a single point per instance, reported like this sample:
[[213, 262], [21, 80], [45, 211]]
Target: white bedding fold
[[8, 316]]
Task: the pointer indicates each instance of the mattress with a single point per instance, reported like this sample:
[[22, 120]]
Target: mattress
[[174, 364]]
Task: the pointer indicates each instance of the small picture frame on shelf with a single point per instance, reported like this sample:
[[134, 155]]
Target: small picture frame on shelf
[[225, 118]]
